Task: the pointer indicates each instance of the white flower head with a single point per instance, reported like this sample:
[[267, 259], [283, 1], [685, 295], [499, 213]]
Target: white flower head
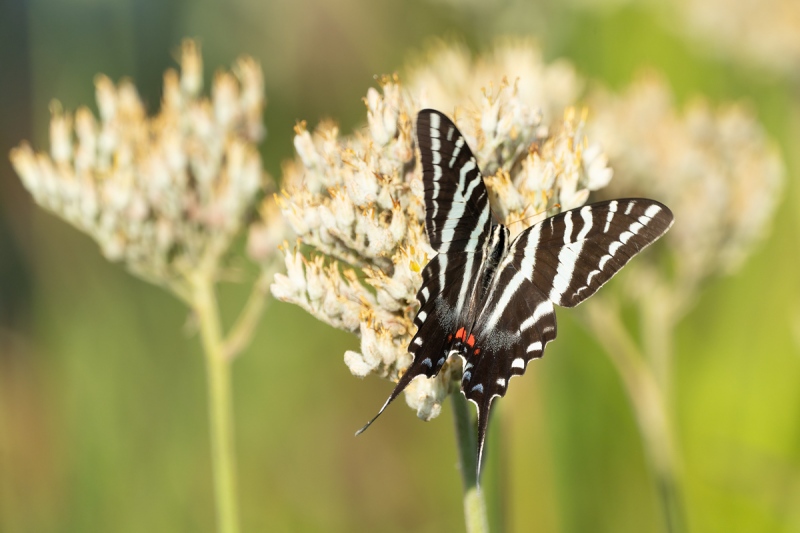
[[164, 194], [764, 32], [357, 202], [714, 167]]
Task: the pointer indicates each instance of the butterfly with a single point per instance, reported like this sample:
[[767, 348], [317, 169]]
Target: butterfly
[[489, 299]]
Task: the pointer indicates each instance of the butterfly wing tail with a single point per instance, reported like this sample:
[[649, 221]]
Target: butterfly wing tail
[[483, 426], [402, 384], [428, 360]]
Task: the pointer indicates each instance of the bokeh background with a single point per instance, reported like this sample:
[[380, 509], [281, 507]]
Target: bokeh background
[[103, 424]]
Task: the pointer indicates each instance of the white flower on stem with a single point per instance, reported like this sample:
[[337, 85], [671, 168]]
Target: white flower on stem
[[356, 202], [763, 32], [448, 77], [714, 167], [164, 194]]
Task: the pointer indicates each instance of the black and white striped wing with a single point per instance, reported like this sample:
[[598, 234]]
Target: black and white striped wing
[[500, 322], [457, 214], [458, 222], [506, 338], [579, 250], [436, 318], [562, 260]]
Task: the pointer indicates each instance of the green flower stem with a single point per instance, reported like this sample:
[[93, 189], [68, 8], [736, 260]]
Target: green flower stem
[[657, 324], [650, 409], [474, 503], [242, 332], [219, 404]]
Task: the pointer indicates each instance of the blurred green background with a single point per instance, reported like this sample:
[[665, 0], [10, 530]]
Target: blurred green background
[[103, 423]]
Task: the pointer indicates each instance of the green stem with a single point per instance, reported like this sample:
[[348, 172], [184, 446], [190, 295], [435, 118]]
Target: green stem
[[219, 405], [650, 409], [474, 503], [656, 326], [245, 326]]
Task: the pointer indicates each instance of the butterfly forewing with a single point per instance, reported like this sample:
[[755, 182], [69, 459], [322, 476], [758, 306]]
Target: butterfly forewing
[[457, 214], [581, 249], [457, 222]]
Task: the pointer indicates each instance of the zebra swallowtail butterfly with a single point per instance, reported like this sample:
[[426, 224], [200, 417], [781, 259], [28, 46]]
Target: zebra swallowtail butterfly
[[490, 299]]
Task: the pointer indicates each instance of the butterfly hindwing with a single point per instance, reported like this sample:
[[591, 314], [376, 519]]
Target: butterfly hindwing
[[515, 324], [438, 315]]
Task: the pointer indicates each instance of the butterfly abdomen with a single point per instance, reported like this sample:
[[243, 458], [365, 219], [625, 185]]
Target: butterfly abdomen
[[497, 248]]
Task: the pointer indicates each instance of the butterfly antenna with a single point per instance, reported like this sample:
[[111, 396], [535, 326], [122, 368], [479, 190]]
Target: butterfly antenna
[[526, 218]]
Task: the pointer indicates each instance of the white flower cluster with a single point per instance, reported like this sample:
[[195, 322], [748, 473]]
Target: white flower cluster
[[762, 32], [164, 194], [448, 77], [357, 203], [523, 101], [715, 168]]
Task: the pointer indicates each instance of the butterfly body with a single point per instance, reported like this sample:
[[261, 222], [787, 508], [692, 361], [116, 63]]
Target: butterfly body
[[489, 298]]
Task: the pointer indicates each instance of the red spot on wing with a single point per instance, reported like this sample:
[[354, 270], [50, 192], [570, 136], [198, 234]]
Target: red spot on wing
[[471, 341], [477, 351], [461, 334]]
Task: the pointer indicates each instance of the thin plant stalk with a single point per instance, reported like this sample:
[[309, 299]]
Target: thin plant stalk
[[223, 453], [650, 407], [474, 502], [241, 333]]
